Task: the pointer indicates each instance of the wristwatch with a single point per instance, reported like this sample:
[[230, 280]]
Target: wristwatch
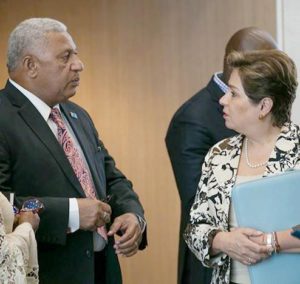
[[296, 231], [142, 222]]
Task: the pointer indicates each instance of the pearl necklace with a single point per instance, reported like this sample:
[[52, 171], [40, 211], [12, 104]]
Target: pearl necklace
[[247, 158]]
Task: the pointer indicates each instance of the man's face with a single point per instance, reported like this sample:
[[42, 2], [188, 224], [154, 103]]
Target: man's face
[[58, 69]]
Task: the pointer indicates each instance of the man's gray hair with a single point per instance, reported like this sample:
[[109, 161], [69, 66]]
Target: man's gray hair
[[30, 35]]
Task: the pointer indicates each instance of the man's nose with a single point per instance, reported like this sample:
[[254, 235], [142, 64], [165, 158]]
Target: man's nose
[[77, 65]]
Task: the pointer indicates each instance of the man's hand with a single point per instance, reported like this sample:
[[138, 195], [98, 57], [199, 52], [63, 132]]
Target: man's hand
[[129, 242], [93, 213]]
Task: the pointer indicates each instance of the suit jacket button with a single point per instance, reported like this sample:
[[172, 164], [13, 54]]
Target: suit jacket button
[[88, 253]]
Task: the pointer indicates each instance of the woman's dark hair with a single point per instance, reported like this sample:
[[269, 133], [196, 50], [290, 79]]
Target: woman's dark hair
[[268, 73]]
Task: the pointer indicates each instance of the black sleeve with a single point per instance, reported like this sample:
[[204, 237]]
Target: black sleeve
[[54, 219], [124, 199], [187, 141]]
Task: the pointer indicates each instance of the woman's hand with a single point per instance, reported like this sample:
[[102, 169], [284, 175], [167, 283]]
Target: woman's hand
[[30, 217], [238, 244], [259, 239]]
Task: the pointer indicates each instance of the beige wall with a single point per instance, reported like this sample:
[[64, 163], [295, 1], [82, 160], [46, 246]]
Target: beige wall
[[143, 58], [288, 27]]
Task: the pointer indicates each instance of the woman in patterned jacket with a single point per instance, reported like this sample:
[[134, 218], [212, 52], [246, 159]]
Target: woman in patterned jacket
[[18, 249], [262, 88]]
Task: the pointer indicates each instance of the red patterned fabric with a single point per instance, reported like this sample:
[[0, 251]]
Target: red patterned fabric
[[75, 160]]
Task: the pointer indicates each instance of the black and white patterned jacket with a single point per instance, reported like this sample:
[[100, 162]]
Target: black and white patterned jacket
[[210, 211]]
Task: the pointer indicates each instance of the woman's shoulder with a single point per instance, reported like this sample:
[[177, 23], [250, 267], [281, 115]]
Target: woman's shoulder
[[227, 144], [290, 133]]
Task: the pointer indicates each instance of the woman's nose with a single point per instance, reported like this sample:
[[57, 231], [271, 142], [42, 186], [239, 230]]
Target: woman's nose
[[223, 99]]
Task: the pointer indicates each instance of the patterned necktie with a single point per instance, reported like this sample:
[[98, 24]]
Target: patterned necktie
[[75, 160]]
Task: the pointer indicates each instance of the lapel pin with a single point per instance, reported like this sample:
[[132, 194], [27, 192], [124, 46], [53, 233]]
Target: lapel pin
[[73, 115]]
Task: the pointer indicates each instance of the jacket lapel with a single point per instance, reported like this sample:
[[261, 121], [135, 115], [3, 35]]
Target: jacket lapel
[[226, 161], [40, 128]]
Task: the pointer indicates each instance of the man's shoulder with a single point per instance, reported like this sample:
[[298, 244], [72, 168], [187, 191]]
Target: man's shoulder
[[9, 117], [203, 94], [200, 103], [73, 110], [73, 107], [5, 104]]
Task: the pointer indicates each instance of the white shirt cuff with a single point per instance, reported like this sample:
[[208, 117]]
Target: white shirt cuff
[[73, 215]]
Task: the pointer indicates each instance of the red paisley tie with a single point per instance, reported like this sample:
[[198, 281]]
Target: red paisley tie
[[75, 160]]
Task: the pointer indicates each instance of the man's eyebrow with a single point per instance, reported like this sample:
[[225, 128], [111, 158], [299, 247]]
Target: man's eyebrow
[[69, 50]]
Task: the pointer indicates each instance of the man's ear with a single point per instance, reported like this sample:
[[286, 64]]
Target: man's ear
[[30, 65]]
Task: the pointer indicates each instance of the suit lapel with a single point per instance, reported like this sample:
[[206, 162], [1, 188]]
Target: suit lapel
[[40, 128], [88, 150]]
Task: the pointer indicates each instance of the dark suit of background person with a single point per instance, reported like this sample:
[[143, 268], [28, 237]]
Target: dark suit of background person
[[33, 163], [195, 127]]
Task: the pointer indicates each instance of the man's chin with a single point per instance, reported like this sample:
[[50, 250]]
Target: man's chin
[[69, 95]]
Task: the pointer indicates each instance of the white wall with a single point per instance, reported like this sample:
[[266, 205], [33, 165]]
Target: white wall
[[288, 37]]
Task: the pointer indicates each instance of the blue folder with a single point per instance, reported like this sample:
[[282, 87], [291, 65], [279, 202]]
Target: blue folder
[[271, 204]]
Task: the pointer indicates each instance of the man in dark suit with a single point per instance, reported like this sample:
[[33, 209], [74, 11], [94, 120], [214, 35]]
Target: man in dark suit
[[49, 149], [195, 127]]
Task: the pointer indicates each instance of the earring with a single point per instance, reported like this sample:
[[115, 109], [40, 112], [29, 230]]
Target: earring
[[261, 116]]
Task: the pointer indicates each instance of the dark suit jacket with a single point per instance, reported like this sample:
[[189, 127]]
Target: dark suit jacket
[[32, 163], [195, 127]]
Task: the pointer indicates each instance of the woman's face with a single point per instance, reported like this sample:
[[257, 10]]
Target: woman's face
[[238, 111]]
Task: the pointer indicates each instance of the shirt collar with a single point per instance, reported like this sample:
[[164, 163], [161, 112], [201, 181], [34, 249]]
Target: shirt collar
[[224, 88], [41, 106]]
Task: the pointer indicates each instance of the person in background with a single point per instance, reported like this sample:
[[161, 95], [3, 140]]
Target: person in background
[[262, 88], [196, 126], [18, 248], [50, 149]]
